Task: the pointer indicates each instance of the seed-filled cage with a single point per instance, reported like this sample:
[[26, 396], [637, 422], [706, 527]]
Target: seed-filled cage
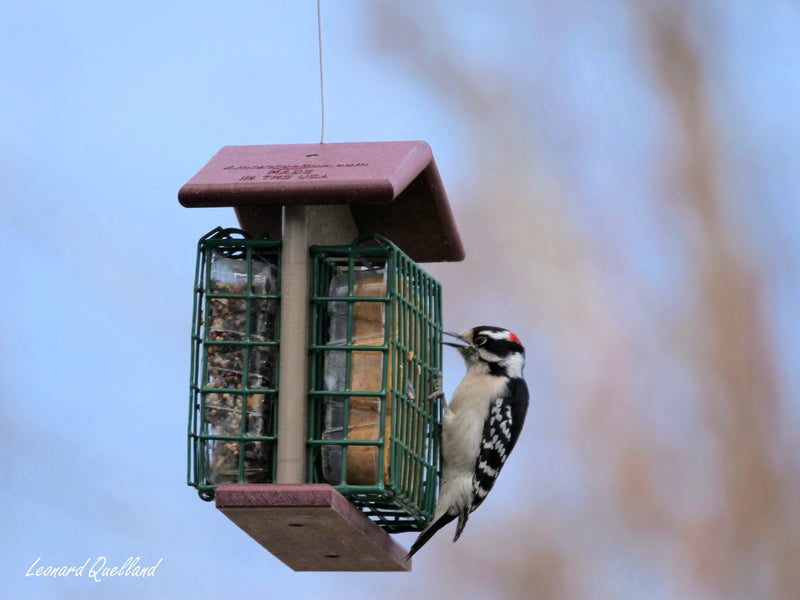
[[234, 363], [375, 359]]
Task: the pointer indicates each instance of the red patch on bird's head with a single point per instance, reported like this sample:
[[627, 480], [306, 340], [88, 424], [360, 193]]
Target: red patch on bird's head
[[513, 337]]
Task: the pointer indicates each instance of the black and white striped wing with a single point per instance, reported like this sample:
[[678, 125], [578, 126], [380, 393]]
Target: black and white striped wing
[[500, 433]]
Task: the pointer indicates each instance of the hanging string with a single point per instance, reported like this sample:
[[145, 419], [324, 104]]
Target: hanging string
[[321, 74]]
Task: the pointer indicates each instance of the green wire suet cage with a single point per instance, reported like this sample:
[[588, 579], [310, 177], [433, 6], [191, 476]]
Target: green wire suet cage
[[375, 358], [234, 361]]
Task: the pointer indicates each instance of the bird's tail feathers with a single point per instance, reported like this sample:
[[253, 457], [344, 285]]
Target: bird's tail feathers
[[428, 532], [462, 521]]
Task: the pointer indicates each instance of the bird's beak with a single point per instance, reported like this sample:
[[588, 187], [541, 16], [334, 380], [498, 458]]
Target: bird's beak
[[458, 337]]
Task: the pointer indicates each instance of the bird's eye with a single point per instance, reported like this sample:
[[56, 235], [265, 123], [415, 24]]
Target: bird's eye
[[480, 340]]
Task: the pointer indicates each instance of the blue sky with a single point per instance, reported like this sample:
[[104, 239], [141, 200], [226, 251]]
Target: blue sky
[[109, 109]]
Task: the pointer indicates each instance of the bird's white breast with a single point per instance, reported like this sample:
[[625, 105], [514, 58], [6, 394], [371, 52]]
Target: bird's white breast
[[463, 420]]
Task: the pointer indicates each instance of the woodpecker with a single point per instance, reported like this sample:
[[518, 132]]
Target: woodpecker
[[480, 425]]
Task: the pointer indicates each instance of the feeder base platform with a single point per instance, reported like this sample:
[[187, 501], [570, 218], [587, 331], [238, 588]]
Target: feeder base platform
[[310, 527]]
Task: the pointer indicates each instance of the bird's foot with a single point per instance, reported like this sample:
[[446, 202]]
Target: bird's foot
[[438, 390]]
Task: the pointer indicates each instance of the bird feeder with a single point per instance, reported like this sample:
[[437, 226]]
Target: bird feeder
[[316, 346]]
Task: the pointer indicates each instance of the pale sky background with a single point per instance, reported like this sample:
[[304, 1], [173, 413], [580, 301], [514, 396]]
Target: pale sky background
[[108, 109]]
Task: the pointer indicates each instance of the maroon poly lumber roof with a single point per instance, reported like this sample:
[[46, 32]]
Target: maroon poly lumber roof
[[392, 188]]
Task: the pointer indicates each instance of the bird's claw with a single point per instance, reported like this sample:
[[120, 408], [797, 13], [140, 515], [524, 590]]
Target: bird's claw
[[438, 389]]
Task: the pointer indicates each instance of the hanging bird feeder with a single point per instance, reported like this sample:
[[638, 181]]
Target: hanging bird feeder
[[316, 345]]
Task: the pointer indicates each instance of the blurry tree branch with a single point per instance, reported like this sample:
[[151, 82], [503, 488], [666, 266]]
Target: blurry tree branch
[[670, 402], [754, 533]]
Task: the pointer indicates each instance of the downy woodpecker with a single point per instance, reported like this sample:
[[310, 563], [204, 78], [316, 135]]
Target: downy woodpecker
[[480, 425]]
